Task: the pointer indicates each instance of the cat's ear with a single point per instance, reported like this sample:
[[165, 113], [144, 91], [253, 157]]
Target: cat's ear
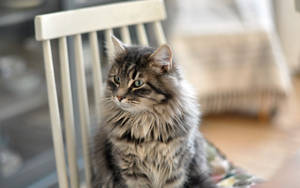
[[119, 47], [161, 59]]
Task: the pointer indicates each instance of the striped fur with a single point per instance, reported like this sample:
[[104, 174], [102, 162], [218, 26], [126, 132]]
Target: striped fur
[[150, 139]]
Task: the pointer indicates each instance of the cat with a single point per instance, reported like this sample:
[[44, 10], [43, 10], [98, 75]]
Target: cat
[[149, 135]]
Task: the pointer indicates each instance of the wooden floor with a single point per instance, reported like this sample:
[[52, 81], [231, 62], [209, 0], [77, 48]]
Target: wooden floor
[[257, 146]]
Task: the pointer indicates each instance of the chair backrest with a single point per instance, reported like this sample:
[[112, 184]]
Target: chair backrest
[[73, 24]]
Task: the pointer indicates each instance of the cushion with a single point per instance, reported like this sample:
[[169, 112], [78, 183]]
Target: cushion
[[224, 173]]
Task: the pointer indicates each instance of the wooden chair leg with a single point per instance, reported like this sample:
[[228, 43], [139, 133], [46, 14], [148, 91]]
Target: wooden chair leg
[[264, 113]]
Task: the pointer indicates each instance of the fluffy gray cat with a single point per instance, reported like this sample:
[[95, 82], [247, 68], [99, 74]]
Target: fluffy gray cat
[[149, 136]]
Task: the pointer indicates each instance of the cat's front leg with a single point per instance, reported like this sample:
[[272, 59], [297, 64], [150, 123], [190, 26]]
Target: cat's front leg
[[176, 180], [106, 171], [198, 171], [112, 183], [198, 177], [200, 181]]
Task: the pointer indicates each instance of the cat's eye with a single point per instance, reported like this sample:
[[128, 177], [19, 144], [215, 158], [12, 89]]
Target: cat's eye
[[138, 83], [117, 79]]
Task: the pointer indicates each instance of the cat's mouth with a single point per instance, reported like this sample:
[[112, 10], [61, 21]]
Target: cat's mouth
[[127, 105], [124, 104]]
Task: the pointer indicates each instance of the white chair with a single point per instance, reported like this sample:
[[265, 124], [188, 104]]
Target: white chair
[[73, 24]]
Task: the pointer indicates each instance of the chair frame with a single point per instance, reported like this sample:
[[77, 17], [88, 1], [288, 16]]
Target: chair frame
[[62, 25]]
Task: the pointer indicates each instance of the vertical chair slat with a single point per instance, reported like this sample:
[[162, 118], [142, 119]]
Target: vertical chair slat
[[83, 106], [125, 35], [108, 43], [68, 112], [97, 74], [159, 33], [141, 34], [55, 116]]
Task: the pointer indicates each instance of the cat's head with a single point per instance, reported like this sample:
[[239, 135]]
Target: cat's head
[[140, 77]]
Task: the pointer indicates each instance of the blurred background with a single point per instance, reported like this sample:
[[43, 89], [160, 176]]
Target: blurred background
[[242, 57]]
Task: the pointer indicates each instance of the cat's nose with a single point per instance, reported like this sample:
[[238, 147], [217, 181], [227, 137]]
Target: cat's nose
[[120, 98]]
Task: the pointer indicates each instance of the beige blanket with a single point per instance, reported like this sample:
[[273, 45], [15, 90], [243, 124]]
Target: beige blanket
[[241, 72]]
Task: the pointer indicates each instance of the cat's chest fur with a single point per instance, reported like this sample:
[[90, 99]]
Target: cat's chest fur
[[152, 160], [151, 151]]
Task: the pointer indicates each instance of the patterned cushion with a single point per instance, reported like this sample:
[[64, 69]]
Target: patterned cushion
[[225, 174]]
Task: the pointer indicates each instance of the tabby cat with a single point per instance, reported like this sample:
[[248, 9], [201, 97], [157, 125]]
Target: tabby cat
[[149, 136]]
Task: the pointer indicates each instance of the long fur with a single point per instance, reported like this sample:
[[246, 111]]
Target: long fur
[[158, 147]]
